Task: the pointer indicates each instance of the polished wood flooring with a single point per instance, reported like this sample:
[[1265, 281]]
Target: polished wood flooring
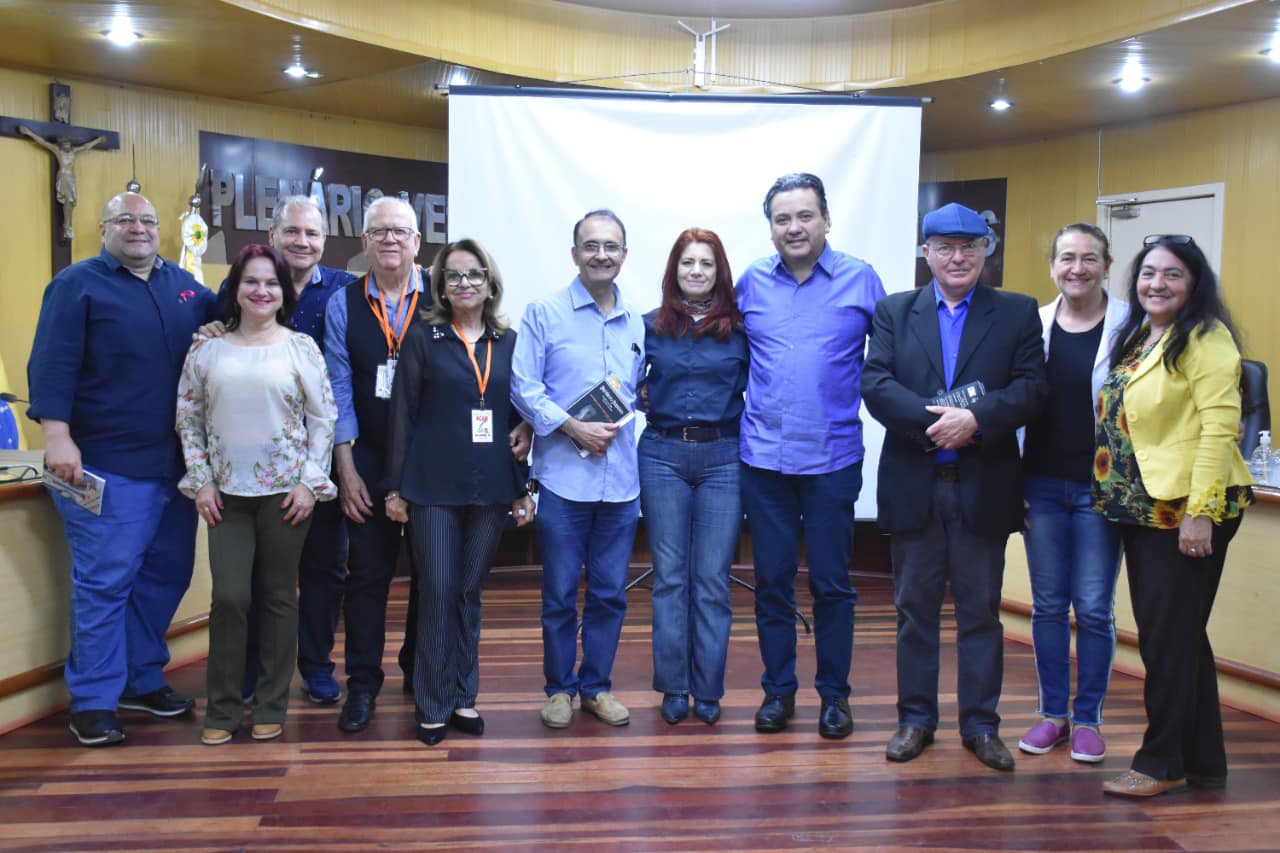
[[647, 786]]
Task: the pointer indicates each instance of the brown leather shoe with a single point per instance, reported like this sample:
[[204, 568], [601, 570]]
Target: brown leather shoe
[[1135, 784], [215, 737], [907, 743], [266, 731]]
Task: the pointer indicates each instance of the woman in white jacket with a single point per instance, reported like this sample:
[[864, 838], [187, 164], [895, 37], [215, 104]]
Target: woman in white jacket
[[1073, 555]]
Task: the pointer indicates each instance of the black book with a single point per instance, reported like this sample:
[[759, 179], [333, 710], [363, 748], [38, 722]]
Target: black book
[[601, 404], [957, 398]]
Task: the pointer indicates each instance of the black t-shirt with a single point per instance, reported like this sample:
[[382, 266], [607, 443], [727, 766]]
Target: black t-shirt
[[1060, 442]]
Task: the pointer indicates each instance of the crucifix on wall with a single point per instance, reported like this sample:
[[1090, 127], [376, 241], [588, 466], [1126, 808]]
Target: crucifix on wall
[[66, 142]]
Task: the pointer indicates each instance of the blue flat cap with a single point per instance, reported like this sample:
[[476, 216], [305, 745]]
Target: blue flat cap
[[953, 220]]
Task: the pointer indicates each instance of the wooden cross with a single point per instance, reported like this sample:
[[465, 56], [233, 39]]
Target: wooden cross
[[64, 141]]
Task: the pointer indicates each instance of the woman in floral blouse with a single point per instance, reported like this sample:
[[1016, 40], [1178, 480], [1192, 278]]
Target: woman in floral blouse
[[1168, 472], [256, 417]]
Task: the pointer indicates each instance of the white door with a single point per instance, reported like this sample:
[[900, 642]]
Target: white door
[[1128, 218]]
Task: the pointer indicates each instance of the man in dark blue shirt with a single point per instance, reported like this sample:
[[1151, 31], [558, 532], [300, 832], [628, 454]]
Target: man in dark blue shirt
[[109, 346]]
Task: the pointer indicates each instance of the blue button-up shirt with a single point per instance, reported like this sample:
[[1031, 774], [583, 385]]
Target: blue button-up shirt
[[807, 344], [338, 360], [950, 328], [696, 381], [565, 346], [107, 355]]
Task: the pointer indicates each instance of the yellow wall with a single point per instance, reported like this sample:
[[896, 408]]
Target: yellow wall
[[165, 128], [1055, 181]]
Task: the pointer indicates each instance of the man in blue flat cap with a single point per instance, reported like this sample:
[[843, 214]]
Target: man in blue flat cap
[[950, 483]]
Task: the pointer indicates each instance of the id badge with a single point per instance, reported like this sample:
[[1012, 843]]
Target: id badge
[[386, 378], [482, 426]]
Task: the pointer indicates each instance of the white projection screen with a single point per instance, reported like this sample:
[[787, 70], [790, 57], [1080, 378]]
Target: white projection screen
[[525, 164]]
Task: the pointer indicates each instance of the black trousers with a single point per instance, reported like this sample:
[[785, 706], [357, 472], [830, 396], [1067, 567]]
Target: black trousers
[[1172, 597]]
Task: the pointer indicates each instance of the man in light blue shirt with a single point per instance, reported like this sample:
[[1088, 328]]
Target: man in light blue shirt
[[807, 312], [588, 505]]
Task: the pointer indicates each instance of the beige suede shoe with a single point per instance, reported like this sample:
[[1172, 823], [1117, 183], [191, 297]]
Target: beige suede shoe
[[607, 709], [557, 711]]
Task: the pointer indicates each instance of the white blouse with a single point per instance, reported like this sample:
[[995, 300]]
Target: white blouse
[[256, 420]]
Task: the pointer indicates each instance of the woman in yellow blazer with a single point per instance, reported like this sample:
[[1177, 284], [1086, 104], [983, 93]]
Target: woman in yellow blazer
[[1167, 471]]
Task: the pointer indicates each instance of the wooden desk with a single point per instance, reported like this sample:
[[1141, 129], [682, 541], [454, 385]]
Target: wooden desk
[[35, 585]]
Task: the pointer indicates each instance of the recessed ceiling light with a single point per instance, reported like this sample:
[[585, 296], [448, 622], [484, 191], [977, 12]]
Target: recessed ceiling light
[[121, 33], [1000, 104], [297, 71], [1274, 51], [1131, 77]]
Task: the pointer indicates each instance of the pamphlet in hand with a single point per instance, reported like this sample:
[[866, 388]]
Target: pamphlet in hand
[[601, 404], [957, 398], [88, 494]]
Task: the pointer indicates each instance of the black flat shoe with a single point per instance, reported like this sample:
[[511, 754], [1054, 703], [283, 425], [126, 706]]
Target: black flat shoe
[[774, 713], [835, 720], [433, 735], [356, 712], [467, 725]]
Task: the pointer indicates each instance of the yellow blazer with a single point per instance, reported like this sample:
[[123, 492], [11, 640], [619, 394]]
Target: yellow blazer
[[1183, 423]]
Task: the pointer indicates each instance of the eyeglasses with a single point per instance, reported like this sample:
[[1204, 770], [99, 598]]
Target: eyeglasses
[[474, 277], [945, 251], [1175, 239], [128, 220], [594, 248], [400, 235]]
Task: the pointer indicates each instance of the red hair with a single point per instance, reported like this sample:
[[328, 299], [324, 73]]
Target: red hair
[[722, 317]]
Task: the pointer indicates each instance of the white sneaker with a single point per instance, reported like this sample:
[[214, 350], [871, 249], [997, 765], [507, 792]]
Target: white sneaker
[[607, 709], [557, 711]]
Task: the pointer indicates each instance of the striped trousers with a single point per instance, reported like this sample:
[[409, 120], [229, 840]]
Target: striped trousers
[[452, 549]]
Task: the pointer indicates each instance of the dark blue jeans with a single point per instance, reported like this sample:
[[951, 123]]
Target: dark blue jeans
[[778, 507], [924, 561], [573, 534], [693, 513], [1073, 557]]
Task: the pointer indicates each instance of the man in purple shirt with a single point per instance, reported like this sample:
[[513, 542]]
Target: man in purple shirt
[[807, 312], [950, 478]]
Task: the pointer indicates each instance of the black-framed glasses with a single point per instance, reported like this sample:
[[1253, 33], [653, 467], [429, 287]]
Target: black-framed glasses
[[128, 220], [1175, 239], [473, 277]]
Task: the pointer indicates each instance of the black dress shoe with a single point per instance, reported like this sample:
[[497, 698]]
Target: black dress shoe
[[356, 712], [165, 702], [466, 725], [835, 720], [774, 713], [990, 750], [907, 743], [433, 735]]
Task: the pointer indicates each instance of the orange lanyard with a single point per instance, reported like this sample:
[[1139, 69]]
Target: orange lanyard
[[383, 312], [482, 382]]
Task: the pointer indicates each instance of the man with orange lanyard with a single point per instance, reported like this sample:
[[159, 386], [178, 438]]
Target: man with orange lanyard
[[364, 326]]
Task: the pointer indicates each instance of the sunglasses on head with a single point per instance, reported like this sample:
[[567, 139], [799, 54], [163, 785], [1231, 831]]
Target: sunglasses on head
[[1176, 239]]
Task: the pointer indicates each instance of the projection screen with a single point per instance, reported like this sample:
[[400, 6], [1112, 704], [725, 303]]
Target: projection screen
[[525, 164]]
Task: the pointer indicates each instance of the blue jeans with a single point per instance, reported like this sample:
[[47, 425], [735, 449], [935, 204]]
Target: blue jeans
[[1073, 556], [778, 506], [597, 535], [692, 513], [130, 568]]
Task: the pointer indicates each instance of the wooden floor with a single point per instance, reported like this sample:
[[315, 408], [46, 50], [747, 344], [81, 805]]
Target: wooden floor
[[648, 786]]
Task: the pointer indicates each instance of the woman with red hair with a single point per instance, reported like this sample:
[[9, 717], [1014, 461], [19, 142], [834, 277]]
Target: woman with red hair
[[696, 352]]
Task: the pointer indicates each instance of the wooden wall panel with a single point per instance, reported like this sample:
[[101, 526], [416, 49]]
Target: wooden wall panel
[[165, 128]]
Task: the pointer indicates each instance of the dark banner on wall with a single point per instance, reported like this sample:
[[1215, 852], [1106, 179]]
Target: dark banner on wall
[[248, 177], [988, 198]]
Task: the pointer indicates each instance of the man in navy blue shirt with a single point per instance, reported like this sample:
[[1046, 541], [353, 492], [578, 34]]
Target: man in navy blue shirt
[[109, 346]]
